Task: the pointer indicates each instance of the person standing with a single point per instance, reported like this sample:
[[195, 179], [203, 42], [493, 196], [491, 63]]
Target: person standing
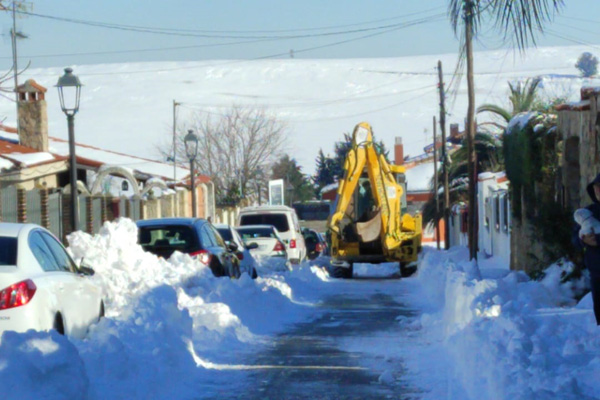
[[590, 245]]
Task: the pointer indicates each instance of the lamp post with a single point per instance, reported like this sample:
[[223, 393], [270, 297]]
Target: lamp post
[[191, 151], [69, 91]]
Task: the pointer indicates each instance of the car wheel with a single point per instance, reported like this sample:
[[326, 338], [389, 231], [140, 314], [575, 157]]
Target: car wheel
[[58, 325]]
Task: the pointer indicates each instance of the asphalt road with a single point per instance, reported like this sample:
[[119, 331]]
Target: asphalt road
[[308, 362]]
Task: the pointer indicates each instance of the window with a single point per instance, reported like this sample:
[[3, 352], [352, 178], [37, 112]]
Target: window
[[8, 251], [42, 252], [497, 211], [225, 233], [171, 238], [215, 237], [63, 259], [206, 238], [279, 221], [250, 233], [505, 213]]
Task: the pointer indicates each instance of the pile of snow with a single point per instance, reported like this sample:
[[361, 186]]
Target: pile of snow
[[167, 321], [508, 335]]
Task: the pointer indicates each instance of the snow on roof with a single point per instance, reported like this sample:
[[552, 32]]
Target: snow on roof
[[419, 177], [30, 159], [133, 163], [329, 187], [5, 164]]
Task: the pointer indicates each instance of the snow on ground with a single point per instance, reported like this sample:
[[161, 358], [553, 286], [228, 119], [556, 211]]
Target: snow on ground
[[503, 336], [171, 328]]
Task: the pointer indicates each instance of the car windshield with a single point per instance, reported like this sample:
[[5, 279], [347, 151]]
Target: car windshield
[[250, 233], [164, 240], [279, 221], [225, 233], [8, 251]]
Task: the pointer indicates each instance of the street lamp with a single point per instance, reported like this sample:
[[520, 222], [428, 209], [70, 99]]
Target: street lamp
[[191, 151], [69, 91]]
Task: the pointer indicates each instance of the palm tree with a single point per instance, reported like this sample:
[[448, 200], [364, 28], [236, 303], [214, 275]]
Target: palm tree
[[516, 20], [523, 97]]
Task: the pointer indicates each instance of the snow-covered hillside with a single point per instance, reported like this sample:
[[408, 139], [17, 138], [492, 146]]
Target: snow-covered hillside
[[128, 107]]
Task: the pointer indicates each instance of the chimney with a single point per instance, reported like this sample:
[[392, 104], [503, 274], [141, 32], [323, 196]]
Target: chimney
[[33, 116], [398, 151], [454, 132]]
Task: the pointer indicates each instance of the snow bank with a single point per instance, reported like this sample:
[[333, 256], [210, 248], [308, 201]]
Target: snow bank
[[510, 336], [167, 321]]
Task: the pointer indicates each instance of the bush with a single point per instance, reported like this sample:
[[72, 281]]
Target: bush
[[587, 64]]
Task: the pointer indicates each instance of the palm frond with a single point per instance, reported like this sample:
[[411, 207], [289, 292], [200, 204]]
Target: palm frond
[[495, 109]]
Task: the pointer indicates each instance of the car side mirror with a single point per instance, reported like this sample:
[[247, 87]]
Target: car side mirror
[[252, 245], [85, 269], [232, 246]]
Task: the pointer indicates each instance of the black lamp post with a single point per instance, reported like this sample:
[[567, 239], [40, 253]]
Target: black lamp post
[[69, 91], [191, 151]]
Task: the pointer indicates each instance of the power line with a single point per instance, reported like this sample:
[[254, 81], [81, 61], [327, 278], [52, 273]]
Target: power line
[[183, 33], [282, 54]]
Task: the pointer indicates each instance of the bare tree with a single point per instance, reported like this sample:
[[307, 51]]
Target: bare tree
[[234, 147]]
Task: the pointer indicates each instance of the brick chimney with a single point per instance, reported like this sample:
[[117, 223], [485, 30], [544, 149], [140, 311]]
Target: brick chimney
[[398, 151], [33, 116]]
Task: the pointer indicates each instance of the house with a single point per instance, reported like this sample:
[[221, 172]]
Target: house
[[33, 159], [578, 146]]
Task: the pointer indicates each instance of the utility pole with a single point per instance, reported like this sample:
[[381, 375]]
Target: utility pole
[[470, 128], [175, 104], [436, 186], [15, 67], [444, 158]]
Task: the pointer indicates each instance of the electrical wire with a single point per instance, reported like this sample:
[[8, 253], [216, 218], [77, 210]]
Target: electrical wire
[[181, 33]]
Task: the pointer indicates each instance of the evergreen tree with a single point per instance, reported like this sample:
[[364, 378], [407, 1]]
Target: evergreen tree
[[297, 186], [587, 64]]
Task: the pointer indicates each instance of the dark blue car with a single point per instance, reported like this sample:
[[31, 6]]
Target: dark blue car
[[194, 236]]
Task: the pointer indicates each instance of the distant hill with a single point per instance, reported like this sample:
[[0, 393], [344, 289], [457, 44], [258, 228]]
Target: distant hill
[[128, 107]]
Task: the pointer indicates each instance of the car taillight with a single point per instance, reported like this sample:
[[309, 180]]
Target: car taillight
[[17, 295], [279, 247], [293, 244], [203, 256], [240, 256], [319, 247]]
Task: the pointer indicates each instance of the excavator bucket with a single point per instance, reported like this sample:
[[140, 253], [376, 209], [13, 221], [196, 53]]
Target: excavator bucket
[[370, 230]]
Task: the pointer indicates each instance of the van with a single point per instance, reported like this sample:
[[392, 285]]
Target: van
[[285, 220]]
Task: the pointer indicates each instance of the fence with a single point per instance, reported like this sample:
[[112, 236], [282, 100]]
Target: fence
[[52, 209]]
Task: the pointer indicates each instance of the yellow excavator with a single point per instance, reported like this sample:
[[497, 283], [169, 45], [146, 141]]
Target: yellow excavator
[[368, 224]]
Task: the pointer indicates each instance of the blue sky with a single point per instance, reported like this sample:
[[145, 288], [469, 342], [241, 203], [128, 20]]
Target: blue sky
[[264, 18]]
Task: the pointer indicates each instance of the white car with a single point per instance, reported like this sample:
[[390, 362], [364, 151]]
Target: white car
[[41, 288], [247, 262], [285, 220], [263, 240]]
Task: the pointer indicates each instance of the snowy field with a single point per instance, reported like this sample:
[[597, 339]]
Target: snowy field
[[129, 107], [172, 330]]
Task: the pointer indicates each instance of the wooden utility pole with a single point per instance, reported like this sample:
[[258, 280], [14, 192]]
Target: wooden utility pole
[[471, 160], [175, 104], [444, 158], [436, 186]]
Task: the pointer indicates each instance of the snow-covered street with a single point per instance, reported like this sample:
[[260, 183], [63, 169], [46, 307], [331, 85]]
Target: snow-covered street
[[173, 331]]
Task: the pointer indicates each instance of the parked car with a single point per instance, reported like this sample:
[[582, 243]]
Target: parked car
[[194, 236], [285, 220], [247, 262], [41, 288], [263, 240], [315, 243]]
